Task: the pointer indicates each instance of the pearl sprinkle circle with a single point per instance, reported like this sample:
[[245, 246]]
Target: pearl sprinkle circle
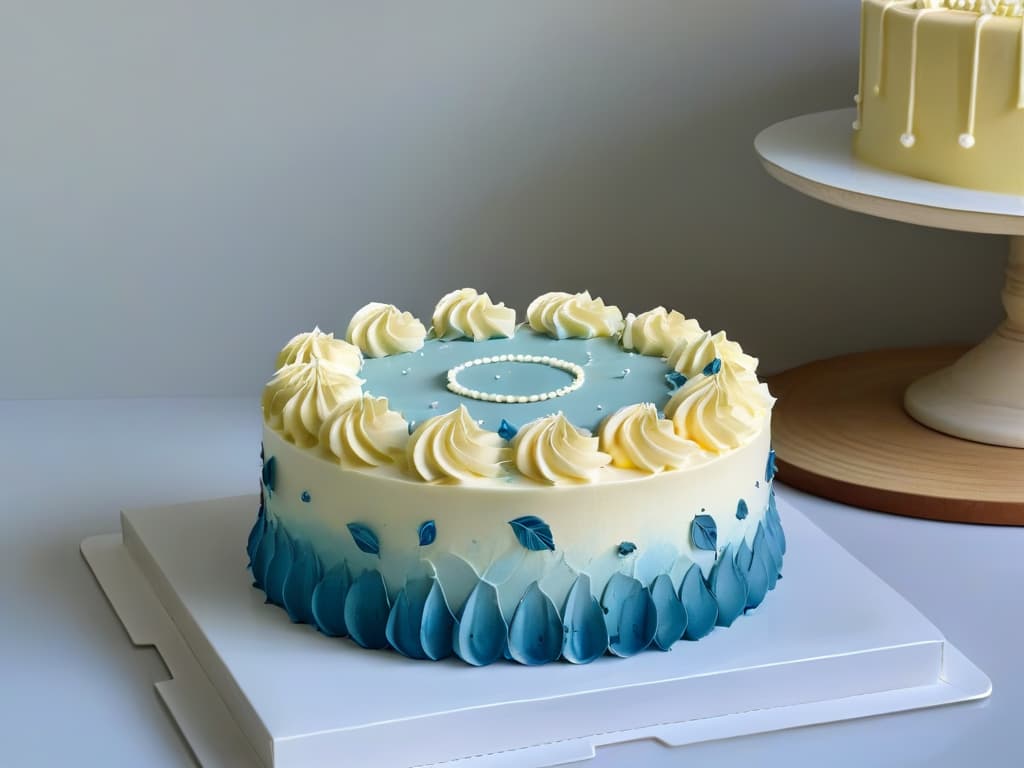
[[553, 362]]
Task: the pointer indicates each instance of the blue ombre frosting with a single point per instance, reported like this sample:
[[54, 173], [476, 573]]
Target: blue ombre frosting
[[420, 623]]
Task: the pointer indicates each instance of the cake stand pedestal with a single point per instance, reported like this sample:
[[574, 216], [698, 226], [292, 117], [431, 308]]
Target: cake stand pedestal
[[840, 430]]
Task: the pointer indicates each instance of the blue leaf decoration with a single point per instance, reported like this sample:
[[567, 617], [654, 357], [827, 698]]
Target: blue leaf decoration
[[756, 573], [437, 624], [279, 567], [366, 610], [630, 615], [729, 586], [428, 532], [773, 548], [713, 367], [256, 534], [533, 533], [302, 579], [700, 605], [741, 510], [675, 381], [704, 533], [263, 555], [670, 612], [763, 551], [626, 548], [270, 473], [584, 632], [506, 431], [328, 606], [770, 469], [535, 632], [406, 617], [481, 632], [364, 538], [306, 497]]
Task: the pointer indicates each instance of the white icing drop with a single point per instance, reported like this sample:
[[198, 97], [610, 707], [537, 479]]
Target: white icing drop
[[907, 139]]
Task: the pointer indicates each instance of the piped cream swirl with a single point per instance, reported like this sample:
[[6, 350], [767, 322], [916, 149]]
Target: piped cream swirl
[[720, 411], [304, 347], [364, 433], [690, 357], [453, 448], [565, 315], [301, 396], [657, 331], [467, 314], [994, 7], [636, 438], [551, 450], [380, 330]]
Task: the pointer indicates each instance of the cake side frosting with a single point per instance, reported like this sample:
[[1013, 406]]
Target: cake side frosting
[[941, 91]]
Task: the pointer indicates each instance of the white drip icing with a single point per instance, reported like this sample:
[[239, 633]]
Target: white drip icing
[[881, 41], [908, 139], [967, 137], [858, 99]]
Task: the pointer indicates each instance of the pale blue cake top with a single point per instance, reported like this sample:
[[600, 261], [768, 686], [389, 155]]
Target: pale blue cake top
[[415, 383]]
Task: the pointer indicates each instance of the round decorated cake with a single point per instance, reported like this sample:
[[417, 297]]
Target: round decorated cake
[[580, 484], [941, 91]]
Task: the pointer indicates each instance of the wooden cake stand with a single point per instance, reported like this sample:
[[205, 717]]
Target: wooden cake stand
[[841, 427]]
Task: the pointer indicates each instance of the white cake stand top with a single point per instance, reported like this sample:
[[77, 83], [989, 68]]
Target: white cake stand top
[[813, 155]]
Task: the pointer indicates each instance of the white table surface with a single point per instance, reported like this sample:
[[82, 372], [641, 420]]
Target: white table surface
[[76, 692]]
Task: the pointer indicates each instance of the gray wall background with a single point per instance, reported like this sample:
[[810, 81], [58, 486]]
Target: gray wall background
[[184, 185]]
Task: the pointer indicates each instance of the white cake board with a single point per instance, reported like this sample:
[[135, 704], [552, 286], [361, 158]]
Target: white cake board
[[832, 642]]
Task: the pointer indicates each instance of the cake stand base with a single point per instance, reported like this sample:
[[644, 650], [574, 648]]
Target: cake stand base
[[840, 431]]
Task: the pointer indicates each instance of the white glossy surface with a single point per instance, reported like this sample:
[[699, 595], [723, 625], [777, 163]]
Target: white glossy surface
[[67, 472]]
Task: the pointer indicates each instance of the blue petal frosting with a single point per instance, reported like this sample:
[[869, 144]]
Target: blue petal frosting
[[713, 367], [256, 534], [533, 533], [775, 522], [366, 610], [729, 586], [427, 533], [704, 532], [302, 579], [675, 381], [630, 615], [670, 612], [364, 538], [481, 632], [270, 473], [755, 572], [263, 555], [507, 431], [770, 468], [584, 632], [437, 625], [700, 605], [406, 618], [626, 548], [535, 632], [328, 606], [763, 552], [279, 567]]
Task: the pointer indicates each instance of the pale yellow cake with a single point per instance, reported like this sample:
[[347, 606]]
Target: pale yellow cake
[[941, 91]]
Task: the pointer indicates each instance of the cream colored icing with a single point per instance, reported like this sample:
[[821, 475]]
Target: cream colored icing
[[988, 7], [364, 433], [301, 396], [691, 357], [454, 448], [565, 315], [380, 330], [304, 347], [636, 438], [720, 411], [551, 450], [657, 331], [467, 314]]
